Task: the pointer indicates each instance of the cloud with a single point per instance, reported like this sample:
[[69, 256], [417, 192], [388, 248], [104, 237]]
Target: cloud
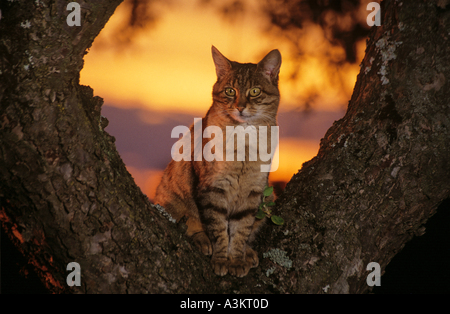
[[143, 139]]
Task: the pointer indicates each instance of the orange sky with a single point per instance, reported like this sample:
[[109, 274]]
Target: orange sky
[[169, 68]]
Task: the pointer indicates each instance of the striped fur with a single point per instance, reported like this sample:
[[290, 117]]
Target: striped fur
[[221, 198]]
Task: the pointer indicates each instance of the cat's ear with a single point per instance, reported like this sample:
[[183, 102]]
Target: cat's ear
[[223, 65], [270, 65]]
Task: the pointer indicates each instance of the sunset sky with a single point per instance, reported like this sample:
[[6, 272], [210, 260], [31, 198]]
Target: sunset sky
[[164, 78]]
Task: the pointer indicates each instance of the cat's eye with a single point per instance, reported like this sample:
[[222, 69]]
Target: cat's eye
[[255, 91], [230, 92]]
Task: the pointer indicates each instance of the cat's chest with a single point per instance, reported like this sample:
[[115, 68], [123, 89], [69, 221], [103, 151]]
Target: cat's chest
[[238, 179]]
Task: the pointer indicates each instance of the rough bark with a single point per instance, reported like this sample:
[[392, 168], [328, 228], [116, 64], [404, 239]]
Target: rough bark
[[66, 196]]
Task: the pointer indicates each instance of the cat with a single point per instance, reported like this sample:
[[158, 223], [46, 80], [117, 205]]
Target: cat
[[221, 198]]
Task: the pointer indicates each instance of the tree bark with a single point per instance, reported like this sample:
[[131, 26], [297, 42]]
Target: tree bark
[[66, 196]]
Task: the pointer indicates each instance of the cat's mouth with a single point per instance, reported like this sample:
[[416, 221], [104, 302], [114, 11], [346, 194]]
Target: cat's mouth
[[241, 116]]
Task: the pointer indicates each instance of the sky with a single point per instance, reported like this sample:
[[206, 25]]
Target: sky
[[164, 77]]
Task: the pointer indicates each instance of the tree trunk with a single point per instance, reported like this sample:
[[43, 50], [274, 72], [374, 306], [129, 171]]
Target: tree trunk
[[66, 196]]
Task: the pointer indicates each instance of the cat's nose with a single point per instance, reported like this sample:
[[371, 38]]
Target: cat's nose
[[240, 106]]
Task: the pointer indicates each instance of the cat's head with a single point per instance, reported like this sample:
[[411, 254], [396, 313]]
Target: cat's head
[[246, 92]]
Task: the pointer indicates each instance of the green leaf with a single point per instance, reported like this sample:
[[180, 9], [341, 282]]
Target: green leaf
[[260, 214], [261, 205], [277, 220], [270, 204], [268, 191]]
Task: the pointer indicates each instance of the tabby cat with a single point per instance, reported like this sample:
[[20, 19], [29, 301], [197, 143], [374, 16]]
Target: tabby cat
[[221, 198]]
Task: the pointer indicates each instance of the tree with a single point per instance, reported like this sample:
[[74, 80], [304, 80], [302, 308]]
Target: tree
[[66, 196]]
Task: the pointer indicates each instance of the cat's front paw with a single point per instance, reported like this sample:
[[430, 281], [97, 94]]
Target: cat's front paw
[[203, 243], [251, 257], [220, 266], [239, 268]]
